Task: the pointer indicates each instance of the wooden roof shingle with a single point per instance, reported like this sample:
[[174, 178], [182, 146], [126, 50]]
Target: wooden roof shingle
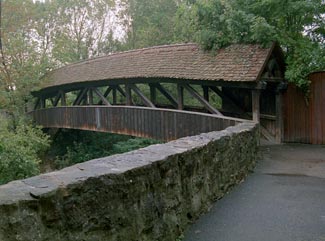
[[239, 62]]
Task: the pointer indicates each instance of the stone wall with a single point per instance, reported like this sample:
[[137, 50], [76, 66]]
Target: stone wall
[[145, 195]]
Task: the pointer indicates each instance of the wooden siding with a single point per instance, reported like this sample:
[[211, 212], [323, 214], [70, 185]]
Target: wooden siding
[[153, 123], [304, 121], [317, 105]]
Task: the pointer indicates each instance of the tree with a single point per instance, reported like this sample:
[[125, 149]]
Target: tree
[[298, 25], [149, 23]]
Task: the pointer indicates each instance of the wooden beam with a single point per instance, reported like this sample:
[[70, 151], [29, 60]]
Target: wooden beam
[[180, 97], [205, 103], [101, 96], [100, 83], [232, 102], [144, 99], [80, 96], [114, 96], [90, 97], [108, 90], [128, 95], [153, 93], [63, 98], [267, 134], [256, 105], [165, 93], [122, 92], [57, 98], [206, 93], [279, 117]]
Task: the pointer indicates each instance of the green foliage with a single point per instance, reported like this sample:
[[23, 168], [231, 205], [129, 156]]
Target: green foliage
[[131, 144], [151, 22], [73, 146], [20, 147], [298, 26]]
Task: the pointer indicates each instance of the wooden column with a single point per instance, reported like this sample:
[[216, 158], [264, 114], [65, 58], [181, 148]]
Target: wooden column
[[279, 117], [63, 98], [206, 93], [180, 97], [90, 97], [256, 105], [153, 94], [114, 96], [128, 95]]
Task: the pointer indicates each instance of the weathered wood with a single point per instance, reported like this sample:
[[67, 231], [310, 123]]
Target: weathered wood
[[101, 96], [76, 86], [161, 124], [256, 105], [128, 95], [90, 97], [153, 93], [205, 103], [279, 117], [267, 134], [80, 96], [166, 93], [144, 99], [114, 95], [180, 97], [63, 98], [119, 89], [228, 99], [56, 99], [108, 90], [206, 93]]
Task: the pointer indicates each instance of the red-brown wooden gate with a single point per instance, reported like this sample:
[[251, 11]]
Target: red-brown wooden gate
[[304, 120]]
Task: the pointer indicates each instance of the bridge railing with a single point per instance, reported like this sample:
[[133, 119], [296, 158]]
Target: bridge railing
[[160, 124]]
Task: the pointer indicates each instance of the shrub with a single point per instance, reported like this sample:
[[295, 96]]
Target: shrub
[[20, 147]]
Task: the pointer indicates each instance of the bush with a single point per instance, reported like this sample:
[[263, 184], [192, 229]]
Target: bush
[[74, 146], [20, 147]]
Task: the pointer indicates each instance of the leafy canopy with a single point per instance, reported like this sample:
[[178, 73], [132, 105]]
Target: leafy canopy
[[298, 25]]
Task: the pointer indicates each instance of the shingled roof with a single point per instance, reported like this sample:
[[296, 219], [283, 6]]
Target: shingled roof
[[238, 62]]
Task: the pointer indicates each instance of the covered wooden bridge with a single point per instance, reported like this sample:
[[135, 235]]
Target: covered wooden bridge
[[167, 92]]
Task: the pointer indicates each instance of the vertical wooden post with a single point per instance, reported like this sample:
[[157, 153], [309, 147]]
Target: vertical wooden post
[[114, 96], [63, 99], [279, 117], [90, 97], [180, 97], [206, 93], [128, 95], [153, 93], [256, 105]]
